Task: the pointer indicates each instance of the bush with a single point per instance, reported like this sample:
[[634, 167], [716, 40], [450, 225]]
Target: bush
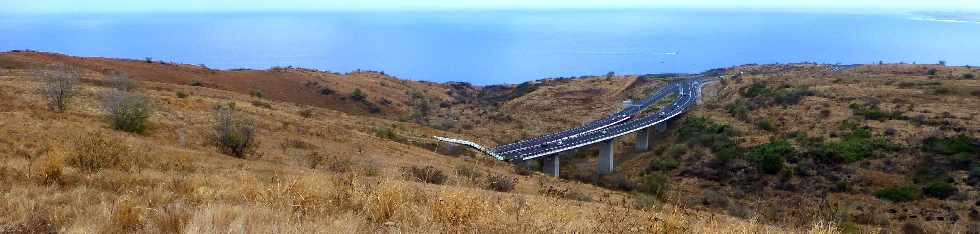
[[468, 171], [120, 81], [616, 181], [854, 146], [755, 90], [769, 157], [950, 146], [969, 76], [654, 184], [257, 93], [127, 112], [96, 151], [426, 174], [791, 96], [59, 86], [386, 133], [664, 164], [306, 113], [677, 150], [974, 177], [501, 183], [766, 125], [181, 94], [898, 194], [932, 72], [196, 83], [357, 95], [940, 190], [235, 134]]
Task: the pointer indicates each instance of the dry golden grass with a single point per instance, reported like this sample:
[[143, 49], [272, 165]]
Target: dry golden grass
[[66, 172]]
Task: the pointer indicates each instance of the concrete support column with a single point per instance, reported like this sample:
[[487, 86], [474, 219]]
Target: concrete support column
[[550, 165], [642, 140], [606, 157]]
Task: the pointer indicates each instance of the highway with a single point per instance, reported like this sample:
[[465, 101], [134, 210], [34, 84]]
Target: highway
[[611, 120], [688, 98], [615, 125]]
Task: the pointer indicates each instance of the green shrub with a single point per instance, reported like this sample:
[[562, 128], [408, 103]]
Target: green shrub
[[755, 90], [898, 194], [940, 190], [257, 93], [873, 112], [181, 94], [235, 134], [766, 124], [932, 71], [384, 132], [677, 150], [969, 76], [950, 146], [852, 147], [654, 184], [357, 95], [769, 157], [791, 96], [663, 164], [127, 112], [197, 83]]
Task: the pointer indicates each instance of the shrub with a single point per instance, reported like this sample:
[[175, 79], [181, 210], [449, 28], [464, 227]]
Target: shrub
[[96, 151], [974, 177], [468, 172], [181, 94], [766, 124], [326, 91], [235, 134], [616, 181], [196, 83], [663, 164], [898, 194], [769, 157], [950, 146], [501, 183], [386, 133], [677, 150], [257, 93], [357, 95], [969, 76], [426, 174], [940, 190], [59, 86], [755, 90], [654, 184], [791, 96], [120, 81], [127, 112], [932, 72], [306, 113]]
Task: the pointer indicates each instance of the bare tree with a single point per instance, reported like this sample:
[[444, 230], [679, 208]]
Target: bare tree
[[60, 85]]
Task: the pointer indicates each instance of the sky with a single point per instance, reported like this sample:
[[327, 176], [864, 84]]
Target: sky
[[105, 6]]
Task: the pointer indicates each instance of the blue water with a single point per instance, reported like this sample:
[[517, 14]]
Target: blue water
[[499, 47]]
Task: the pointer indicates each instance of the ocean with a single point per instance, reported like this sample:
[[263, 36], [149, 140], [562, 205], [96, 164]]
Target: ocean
[[496, 47]]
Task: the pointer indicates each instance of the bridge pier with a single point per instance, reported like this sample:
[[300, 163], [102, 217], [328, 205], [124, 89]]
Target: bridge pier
[[550, 165], [606, 157], [642, 140], [661, 127]]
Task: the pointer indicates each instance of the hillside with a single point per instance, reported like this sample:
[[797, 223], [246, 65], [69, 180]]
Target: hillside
[[313, 169], [888, 146]]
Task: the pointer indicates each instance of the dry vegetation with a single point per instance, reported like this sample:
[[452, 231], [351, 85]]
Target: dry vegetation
[[310, 169]]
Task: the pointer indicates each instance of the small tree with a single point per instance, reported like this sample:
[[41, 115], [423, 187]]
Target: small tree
[[126, 111], [60, 86], [942, 62], [235, 135]]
